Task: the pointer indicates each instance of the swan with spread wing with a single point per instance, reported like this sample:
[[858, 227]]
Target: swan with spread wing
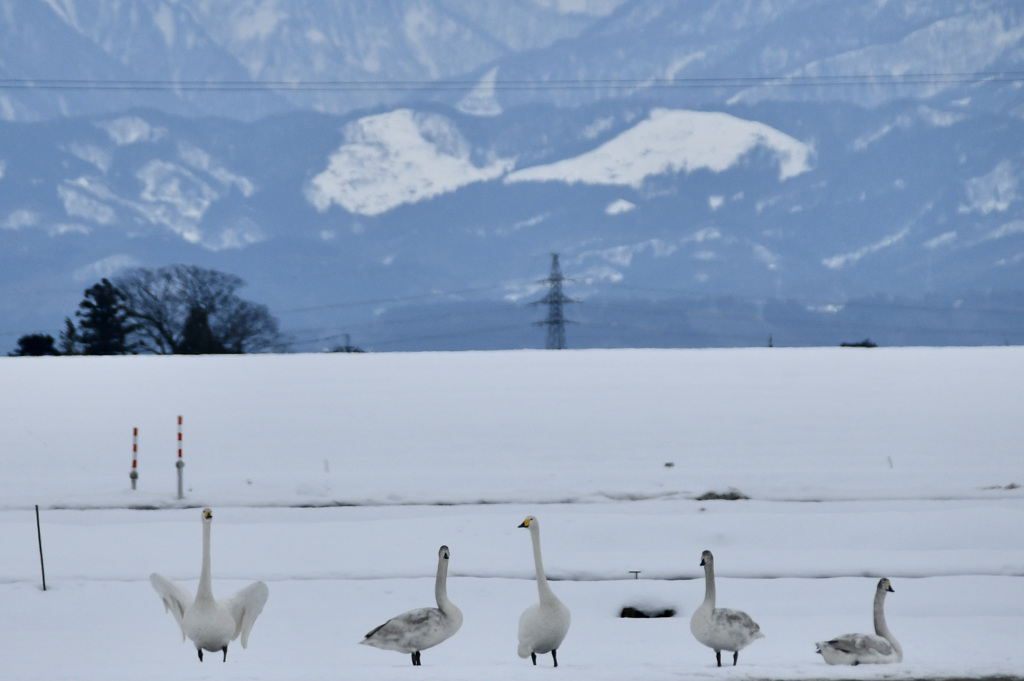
[[210, 623]]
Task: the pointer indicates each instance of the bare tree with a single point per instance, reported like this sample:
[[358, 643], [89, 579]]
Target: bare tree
[[248, 327], [183, 309]]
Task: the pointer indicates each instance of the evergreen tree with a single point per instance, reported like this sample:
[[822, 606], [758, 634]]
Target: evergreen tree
[[104, 325], [69, 338], [197, 338]]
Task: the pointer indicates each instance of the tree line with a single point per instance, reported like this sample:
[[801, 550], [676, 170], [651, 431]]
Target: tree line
[[173, 310]]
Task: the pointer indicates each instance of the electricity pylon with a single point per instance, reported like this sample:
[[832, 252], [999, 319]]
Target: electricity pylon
[[555, 299]]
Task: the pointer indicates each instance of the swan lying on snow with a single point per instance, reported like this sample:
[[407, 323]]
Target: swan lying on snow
[[720, 628], [421, 628], [543, 625], [864, 648], [211, 624]]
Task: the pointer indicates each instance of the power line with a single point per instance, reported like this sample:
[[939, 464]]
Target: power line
[[394, 299], [411, 339], [838, 80], [849, 305], [695, 309]]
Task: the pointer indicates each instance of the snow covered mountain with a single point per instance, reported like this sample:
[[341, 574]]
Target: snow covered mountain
[[711, 171], [259, 57]]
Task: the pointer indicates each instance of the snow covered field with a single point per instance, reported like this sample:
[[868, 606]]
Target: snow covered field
[[335, 478]]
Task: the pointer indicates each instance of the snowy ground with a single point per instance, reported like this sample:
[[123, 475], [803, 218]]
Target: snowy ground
[[334, 478]]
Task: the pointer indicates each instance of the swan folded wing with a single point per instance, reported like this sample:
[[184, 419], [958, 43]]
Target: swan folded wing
[[245, 606], [175, 597], [411, 631], [735, 622], [861, 644], [542, 629]]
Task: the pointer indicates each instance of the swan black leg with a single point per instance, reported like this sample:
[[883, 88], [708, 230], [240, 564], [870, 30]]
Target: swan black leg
[[554, 656], [534, 657], [735, 657], [200, 651], [416, 659], [225, 654], [718, 657]]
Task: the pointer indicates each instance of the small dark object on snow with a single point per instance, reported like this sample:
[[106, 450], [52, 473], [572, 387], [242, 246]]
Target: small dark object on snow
[[630, 611], [731, 495]]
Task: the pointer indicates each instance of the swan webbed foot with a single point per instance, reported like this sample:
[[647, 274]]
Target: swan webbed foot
[[200, 651], [856, 662], [225, 649], [735, 658], [533, 656], [718, 657], [554, 656]]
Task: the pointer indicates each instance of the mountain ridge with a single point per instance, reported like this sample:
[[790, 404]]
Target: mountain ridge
[[662, 177]]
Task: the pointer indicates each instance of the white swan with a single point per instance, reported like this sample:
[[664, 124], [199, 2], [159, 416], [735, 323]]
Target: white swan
[[720, 628], [421, 628], [211, 624], [543, 625], [864, 648]]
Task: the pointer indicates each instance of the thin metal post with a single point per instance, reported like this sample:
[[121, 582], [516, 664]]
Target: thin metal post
[[134, 475], [180, 465], [39, 533]]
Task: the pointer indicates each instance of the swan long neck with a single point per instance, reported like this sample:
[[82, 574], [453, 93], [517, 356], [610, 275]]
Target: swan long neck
[[205, 588], [441, 586], [881, 627], [709, 584], [542, 581]]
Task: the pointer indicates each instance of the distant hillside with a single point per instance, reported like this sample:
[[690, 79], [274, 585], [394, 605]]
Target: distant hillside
[[818, 185]]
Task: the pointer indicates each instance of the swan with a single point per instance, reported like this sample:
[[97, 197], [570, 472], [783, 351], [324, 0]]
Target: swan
[[543, 625], [421, 628], [864, 648], [720, 628], [210, 623]]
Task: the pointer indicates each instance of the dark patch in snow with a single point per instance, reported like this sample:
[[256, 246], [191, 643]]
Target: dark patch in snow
[[732, 495], [635, 612]]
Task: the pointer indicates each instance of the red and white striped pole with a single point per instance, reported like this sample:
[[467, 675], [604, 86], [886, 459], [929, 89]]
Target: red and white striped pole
[[134, 475], [180, 465]]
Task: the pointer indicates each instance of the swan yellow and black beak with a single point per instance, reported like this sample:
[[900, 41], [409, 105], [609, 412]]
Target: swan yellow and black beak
[[526, 523], [207, 514]]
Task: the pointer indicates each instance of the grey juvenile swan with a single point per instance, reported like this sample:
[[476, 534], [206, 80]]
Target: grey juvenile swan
[[543, 625], [720, 628], [422, 628], [210, 623], [857, 649]]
